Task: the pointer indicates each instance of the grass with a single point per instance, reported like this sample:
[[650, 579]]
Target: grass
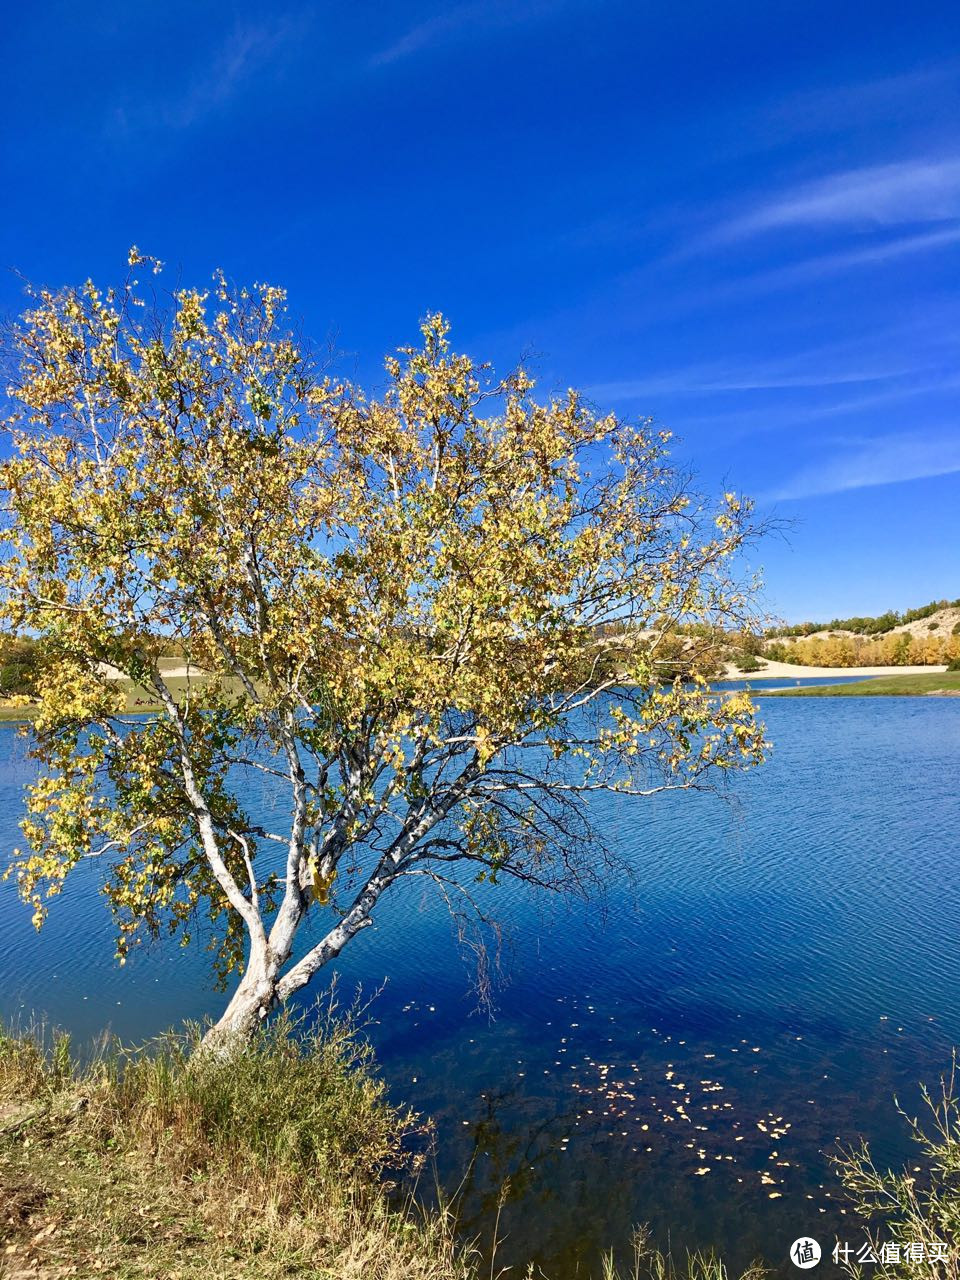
[[947, 682], [275, 1163]]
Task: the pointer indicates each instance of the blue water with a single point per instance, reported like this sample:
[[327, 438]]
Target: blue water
[[761, 683], [787, 954]]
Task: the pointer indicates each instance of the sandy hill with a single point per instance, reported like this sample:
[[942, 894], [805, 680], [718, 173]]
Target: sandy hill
[[941, 623]]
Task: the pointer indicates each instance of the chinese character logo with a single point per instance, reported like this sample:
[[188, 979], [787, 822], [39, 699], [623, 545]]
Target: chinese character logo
[[891, 1252], [805, 1253]]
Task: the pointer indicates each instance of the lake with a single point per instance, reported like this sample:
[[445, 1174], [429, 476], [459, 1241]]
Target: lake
[[787, 959]]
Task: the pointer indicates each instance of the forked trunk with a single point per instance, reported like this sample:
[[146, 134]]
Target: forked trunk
[[249, 1006], [262, 989]]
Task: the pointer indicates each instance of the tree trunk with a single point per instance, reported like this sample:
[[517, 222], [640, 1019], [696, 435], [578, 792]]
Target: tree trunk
[[249, 1006]]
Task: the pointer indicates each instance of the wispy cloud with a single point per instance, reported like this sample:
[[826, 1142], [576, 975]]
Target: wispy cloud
[[790, 418], [882, 460], [246, 52], [705, 379], [823, 265], [461, 22], [877, 196], [435, 30], [840, 108]]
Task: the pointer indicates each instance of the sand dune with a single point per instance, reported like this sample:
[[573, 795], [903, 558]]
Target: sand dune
[[171, 668], [792, 671]]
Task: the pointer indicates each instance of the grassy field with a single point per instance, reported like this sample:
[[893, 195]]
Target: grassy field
[[270, 1164], [944, 682], [138, 700]]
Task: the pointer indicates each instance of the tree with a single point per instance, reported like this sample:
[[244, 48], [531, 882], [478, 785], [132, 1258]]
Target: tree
[[388, 609], [18, 666]]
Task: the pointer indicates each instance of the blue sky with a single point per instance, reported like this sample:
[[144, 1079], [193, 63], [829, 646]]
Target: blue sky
[[742, 219]]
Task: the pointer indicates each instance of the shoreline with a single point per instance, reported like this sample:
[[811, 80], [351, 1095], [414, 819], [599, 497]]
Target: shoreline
[[791, 670]]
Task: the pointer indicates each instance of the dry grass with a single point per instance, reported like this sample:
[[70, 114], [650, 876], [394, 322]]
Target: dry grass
[[275, 1163]]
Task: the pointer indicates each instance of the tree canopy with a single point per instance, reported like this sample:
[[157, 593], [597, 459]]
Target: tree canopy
[[393, 609]]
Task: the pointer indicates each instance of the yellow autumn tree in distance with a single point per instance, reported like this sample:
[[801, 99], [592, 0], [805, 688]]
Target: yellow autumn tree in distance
[[387, 610]]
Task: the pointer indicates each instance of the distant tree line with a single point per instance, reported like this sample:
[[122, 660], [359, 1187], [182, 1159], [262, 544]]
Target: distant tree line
[[866, 626], [684, 650], [897, 649]]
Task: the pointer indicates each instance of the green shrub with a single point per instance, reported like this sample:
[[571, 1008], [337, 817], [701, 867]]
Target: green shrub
[[648, 1263], [777, 652], [902, 1207], [304, 1108], [751, 644], [867, 626], [747, 663], [19, 664]]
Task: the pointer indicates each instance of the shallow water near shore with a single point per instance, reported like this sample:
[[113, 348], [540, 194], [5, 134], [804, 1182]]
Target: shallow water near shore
[[786, 961]]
